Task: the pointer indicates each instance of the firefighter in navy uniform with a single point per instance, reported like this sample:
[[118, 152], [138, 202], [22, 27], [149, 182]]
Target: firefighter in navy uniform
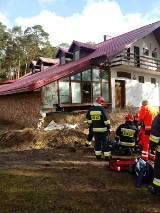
[[155, 144], [127, 134], [99, 119]]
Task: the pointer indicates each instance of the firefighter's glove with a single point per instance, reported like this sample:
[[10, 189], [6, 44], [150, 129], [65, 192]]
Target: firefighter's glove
[[87, 144]]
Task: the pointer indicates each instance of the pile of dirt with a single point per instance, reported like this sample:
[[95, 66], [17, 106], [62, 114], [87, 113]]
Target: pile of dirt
[[31, 138]]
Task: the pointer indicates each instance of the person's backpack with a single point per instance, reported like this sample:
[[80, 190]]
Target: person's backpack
[[144, 171]]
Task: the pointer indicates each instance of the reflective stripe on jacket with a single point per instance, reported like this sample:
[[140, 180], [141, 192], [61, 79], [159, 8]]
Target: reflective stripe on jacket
[[127, 132], [98, 117], [155, 131]]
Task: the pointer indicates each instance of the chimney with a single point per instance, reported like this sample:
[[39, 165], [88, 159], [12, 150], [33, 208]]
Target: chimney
[[104, 38]]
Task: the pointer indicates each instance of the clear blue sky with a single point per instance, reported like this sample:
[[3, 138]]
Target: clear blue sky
[[88, 16]]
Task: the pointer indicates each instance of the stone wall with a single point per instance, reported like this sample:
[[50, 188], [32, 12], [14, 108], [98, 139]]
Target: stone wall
[[22, 108]]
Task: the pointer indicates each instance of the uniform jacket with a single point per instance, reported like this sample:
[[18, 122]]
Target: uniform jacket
[[127, 132], [146, 115], [155, 131], [98, 117]]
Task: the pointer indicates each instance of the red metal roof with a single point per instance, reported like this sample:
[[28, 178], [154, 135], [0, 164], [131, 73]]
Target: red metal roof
[[109, 48], [33, 64], [62, 50], [24, 76], [7, 82], [48, 60], [80, 44]]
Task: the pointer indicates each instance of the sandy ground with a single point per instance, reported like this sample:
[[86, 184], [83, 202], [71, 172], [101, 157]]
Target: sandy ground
[[93, 187]]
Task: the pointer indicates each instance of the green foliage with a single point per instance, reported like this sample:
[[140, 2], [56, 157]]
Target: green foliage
[[18, 48], [3, 76]]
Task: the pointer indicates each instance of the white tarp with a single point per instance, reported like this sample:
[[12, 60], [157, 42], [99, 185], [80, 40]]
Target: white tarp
[[53, 125]]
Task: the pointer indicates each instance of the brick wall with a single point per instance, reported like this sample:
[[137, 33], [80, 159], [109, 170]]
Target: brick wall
[[22, 108]]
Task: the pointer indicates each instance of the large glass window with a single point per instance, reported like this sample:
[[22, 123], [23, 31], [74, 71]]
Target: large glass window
[[76, 77], [86, 92], [96, 90], [95, 75], [64, 93], [105, 92], [86, 75], [76, 92], [85, 86], [104, 75]]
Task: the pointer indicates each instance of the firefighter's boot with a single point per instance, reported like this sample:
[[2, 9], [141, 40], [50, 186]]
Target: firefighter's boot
[[153, 190], [108, 158], [98, 157]]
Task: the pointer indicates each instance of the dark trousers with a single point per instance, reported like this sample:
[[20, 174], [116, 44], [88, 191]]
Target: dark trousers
[[90, 134], [101, 143], [156, 181]]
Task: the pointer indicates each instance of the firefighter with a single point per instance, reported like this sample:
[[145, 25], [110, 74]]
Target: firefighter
[[139, 125], [127, 133], [146, 115], [155, 143], [99, 119]]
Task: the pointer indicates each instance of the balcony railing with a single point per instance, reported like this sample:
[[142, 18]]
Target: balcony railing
[[138, 61]]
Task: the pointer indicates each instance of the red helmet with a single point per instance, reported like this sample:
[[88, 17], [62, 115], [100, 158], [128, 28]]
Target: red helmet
[[129, 117], [100, 100]]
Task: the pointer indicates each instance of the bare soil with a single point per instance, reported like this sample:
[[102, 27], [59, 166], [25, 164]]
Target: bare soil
[[79, 181]]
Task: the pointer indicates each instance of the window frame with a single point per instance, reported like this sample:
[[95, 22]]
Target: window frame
[[91, 81], [141, 79], [153, 80], [154, 54], [62, 59], [145, 51], [126, 53], [77, 55]]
